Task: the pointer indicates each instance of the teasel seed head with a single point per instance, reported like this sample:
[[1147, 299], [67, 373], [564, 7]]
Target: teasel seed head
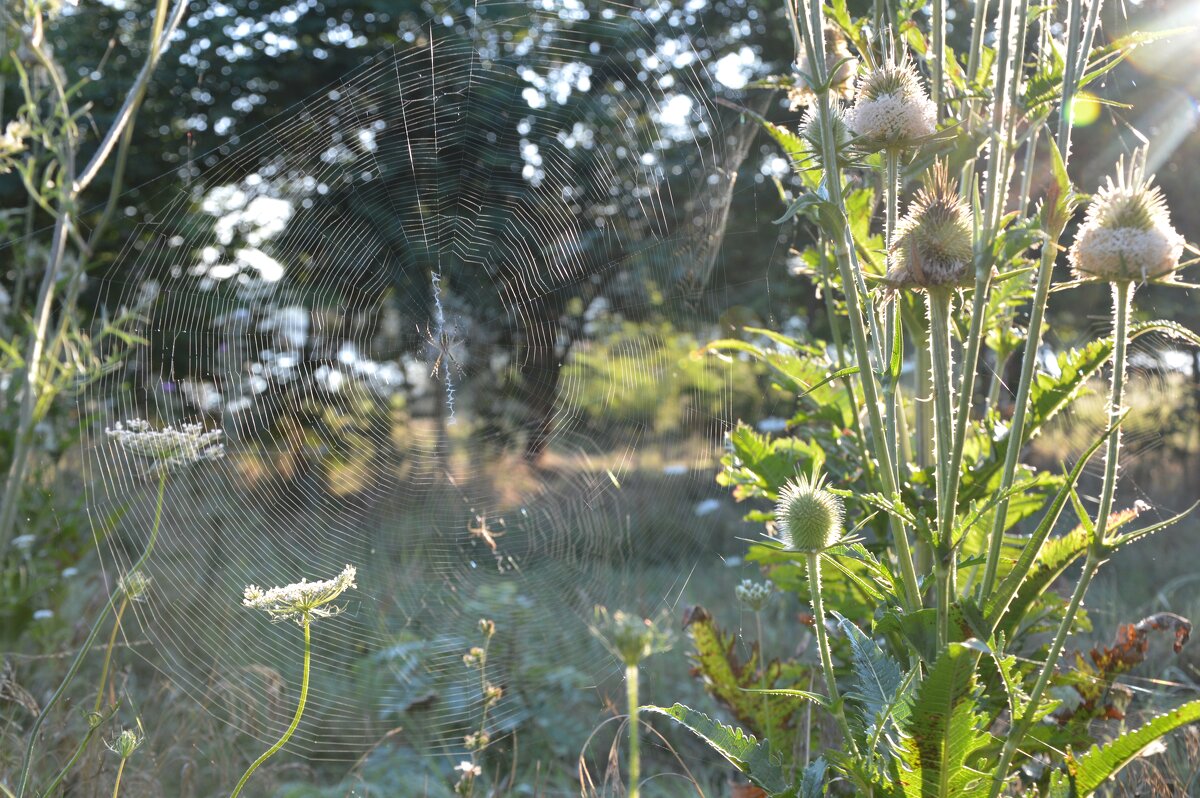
[[840, 67], [808, 517], [932, 244], [891, 108], [1127, 233]]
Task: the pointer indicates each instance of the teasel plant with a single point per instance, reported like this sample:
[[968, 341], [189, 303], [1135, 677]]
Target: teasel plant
[[926, 618]]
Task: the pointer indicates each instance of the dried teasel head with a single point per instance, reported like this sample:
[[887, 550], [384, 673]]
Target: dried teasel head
[[932, 244], [1127, 233], [840, 67], [809, 518], [891, 108]]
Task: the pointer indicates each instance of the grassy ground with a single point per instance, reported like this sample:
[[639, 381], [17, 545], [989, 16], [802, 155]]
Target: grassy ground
[[391, 698]]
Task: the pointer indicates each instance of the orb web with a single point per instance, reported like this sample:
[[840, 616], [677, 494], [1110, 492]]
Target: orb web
[[382, 297]]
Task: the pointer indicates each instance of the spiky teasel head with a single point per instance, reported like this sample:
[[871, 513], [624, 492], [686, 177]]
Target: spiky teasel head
[[840, 66], [932, 245], [1127, 233], [891, 108], [810, 132], [808, 517]]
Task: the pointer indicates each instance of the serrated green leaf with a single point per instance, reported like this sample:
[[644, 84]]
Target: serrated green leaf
[[1101, 763], [748, 754]]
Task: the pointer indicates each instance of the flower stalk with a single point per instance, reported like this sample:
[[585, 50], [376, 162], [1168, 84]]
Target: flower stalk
[[306, 624], [851, 279], [1098, 548]]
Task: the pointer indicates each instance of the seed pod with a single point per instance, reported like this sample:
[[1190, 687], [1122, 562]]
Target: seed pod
[[891, 109], [1127, 233], [932, 244], [809, 518]]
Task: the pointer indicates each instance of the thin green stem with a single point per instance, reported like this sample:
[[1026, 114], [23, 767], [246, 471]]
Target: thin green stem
[[891, 387], [814, 583], [854, 286], [93, 729], [762, 664], [287, 735], [943, 410], [939, 55], [117, 783], [635, 754], [1097, 550], [1122, 299], [112, 641], [35, 729]]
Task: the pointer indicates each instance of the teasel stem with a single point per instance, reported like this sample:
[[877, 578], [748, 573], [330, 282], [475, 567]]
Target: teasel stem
[[943, 410], [892, 404], [1033, 341], [854, 286], [839, 346], [635, 754], [73, 671], [287, 735], [1098, 548], [939, 55], [814, 583]]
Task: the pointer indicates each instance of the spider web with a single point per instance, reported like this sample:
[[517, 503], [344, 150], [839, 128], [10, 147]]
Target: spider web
[[365, 272]]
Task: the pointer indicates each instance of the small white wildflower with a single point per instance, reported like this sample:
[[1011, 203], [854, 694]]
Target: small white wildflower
[[70, 572], [1127, 233], [891, 109], [24, 542], [302, 601], [468, 769], [135, 586], [754, 595], [43, 615], [125, 743], [168, 447], [12, 143]]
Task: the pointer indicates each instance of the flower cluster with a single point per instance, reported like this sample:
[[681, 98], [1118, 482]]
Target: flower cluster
[[754, 595], [168, 447], [125, 743], [809, 518], [1127, 233], [840, 66], [891, 109], [629, 637], [932, 245], [12, 143], [303, 601]]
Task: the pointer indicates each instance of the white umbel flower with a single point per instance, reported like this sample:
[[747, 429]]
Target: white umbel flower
[[168, 447], [891, 109], [302, 601], [1127, 233]]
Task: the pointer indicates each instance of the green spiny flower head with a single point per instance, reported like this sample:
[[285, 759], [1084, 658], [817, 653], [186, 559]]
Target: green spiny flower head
[[891, 109], [810, 131], [1127, 233], [809, 518], [932, 245]]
